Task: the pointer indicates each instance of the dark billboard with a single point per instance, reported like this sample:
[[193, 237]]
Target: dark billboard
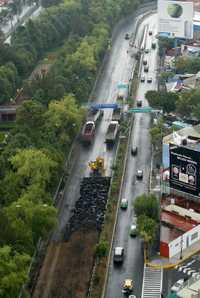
[[185, 170]]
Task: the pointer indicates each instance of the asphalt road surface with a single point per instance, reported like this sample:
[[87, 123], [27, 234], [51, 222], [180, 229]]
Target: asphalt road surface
[[132, 266], [118, 68]]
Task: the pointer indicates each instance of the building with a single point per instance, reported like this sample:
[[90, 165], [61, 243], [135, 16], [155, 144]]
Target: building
[[180, 202]]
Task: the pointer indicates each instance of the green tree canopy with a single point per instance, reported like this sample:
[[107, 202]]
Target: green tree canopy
[[13, 272], [147, 205], [146, 227]]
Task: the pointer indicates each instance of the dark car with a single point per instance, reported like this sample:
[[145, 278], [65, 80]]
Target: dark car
[[146, 68], [150, 32], [134, 150], [139, 103], [142, 80], [127, 36], [144, 62], [149, 80]]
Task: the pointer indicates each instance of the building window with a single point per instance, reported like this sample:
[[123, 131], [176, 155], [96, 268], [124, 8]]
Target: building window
[[194, 236]]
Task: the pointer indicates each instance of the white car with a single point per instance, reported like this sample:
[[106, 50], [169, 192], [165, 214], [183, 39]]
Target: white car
[[139, 174], [177, 286]]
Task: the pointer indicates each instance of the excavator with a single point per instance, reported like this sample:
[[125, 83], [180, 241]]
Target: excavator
[[97, 166]]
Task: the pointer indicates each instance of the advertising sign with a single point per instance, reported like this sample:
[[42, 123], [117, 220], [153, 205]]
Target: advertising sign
[[185, 170], [176, 18]]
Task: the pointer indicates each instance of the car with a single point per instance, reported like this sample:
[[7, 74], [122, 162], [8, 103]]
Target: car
[[124, 204], [131, 296], [134, 150], [149, 80], [142, 80], [127, 36], [133, 230], [150, 32], [144, 62], [118, 254], [127, 286], [146, 51], [139, 174], [139, 103], [177, 286], [146, 68]]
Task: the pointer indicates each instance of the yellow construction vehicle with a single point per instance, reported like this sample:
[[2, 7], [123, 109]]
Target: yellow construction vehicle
[[97, 166]]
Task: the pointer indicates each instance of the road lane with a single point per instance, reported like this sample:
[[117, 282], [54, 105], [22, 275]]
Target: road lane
[[132, 266], [117, 69]]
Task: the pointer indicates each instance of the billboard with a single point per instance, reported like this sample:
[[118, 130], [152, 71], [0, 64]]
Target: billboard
[[175, 18], [185, 170]]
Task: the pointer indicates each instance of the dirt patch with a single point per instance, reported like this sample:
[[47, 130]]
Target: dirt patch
[[67, 267]]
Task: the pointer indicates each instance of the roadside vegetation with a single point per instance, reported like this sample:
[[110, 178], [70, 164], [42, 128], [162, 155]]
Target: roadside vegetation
[[146, 208], [183, 104], [33, 153]]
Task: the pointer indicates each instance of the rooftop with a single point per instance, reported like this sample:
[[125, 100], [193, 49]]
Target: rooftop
[[192, 133], [178, 222]]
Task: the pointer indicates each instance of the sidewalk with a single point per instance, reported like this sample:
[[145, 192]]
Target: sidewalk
[[165, 263]]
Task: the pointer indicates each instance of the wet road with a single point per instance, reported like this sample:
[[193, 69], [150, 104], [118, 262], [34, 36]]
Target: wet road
[[118, 68], [132, 266]]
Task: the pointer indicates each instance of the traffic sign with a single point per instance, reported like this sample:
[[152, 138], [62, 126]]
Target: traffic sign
[[98, 106], [122, 85], [141, 110]]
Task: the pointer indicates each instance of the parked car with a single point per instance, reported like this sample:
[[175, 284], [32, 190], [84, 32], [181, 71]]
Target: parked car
[[118, 254], [146, 51], [134, 150], [127, 286], [149, 80], [124, 204], [139, 103], [150, 32], [146, 68], [178, 285], [139, 174], [142, 80], [133, 230], [144, 62]]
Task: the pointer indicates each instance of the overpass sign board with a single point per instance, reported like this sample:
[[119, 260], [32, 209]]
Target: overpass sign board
[[122, 85], [141, 110], [104, 106]]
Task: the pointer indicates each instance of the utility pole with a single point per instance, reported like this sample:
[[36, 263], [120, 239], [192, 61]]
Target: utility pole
[[181, 252]]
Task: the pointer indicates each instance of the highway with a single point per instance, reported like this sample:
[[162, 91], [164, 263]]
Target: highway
[[132, 266], [118, 68]]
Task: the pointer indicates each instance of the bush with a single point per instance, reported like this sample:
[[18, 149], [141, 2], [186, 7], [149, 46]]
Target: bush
[[101, 249]]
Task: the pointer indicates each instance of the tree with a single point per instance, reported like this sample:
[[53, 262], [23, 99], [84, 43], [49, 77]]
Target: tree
[[29, 120], [13, 273], [62, 122], [32, 166], [187, 64], [146, 228], [27, 222], [147, 205], [163, 100]]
